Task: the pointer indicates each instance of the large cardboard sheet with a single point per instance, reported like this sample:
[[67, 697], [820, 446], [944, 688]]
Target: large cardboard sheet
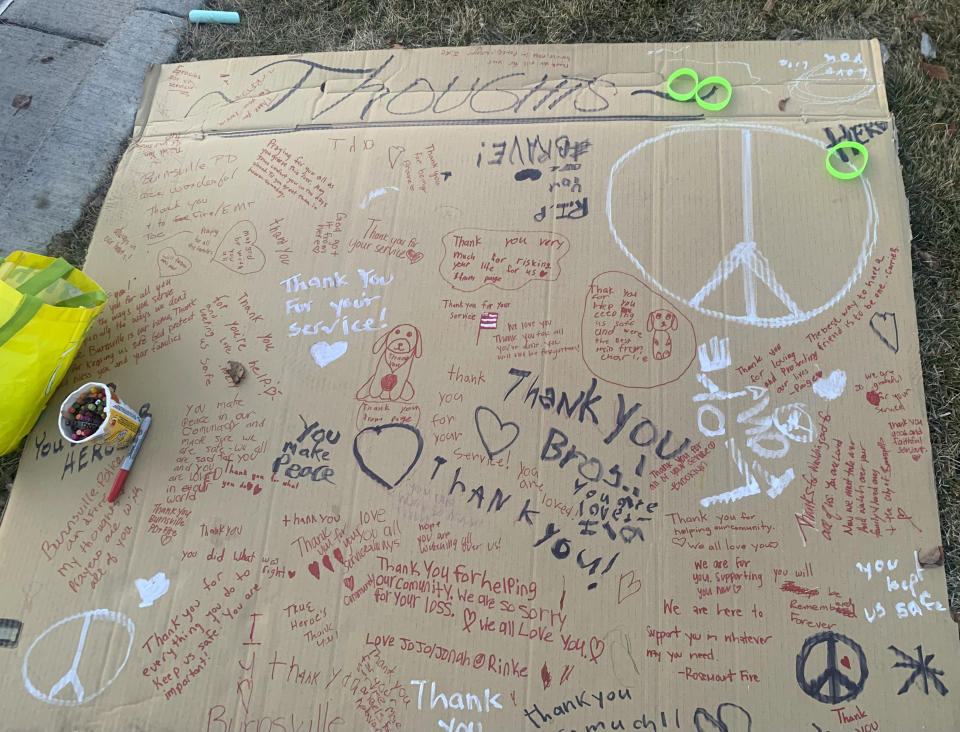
[[567, 406]]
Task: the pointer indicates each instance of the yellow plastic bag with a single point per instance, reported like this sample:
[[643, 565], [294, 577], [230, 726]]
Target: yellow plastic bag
[[46, 307]]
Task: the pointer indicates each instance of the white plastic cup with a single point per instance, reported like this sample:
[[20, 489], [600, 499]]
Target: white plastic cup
[[120, 422]]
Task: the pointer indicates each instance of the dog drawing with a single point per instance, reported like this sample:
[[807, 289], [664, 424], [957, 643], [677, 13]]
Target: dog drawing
[[660, 322], [390, 381]]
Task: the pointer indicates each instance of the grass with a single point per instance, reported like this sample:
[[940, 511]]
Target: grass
[[925, 110]]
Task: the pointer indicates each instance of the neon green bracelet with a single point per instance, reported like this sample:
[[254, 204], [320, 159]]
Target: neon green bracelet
[[710, 81], [685, 96], [852, 146]]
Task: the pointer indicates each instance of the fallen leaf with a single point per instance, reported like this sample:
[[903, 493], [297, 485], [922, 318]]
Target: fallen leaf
[[22, 101], [939, 111], [915, 15], [768, 7], [783, 103], [931, 557], [790, 34], [46, 59], [933, 263], [935, 72], [235, 371], [951, 129], [884, 54]]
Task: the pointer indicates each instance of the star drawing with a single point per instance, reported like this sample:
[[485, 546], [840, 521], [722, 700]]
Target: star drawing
[[921, 669]]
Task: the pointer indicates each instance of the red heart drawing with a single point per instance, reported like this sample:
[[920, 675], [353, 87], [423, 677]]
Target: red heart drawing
[[916, 457], [238, 250], [633, 586], [388, 382], [596, 648], [171, 263], [413, 256], [394, 153], [349, 583], [339, 556], [874, 398], [327, 563], [845, 662], [291, 574], [543, 273], [314, 568]]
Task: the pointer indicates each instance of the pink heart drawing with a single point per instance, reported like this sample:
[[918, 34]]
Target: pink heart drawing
[[327, 563], [348, 582], [314, 568]]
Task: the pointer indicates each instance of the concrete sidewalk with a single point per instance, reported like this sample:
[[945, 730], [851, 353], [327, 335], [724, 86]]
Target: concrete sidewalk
[[82, 62]]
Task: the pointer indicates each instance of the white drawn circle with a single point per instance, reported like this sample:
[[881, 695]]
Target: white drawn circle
[[71, 677], [793, 421], [746, 255], [812, 84]]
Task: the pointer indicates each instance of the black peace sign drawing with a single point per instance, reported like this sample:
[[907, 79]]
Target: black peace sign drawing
[[833, 685]]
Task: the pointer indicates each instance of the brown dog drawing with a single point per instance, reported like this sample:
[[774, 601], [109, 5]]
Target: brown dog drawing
[[659, 322], [390, 381]]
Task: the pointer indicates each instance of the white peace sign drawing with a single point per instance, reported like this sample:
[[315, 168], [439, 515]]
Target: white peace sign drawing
[[699, 209], [71, 677]]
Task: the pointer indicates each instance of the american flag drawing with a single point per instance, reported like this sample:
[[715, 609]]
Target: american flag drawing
[[487, 321]]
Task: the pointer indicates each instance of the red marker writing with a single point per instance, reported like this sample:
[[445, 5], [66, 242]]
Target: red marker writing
[[128, 462]]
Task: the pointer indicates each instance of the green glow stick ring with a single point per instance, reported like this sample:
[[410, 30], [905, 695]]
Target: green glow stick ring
[[682, 96], [852, 146], [710, 81]]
